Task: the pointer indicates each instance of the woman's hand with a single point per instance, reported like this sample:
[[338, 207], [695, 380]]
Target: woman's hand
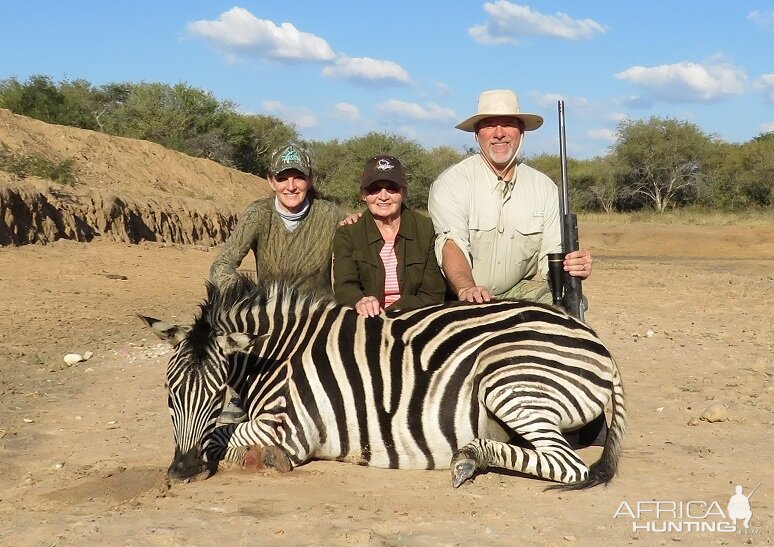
[[368, 306], [350, 219]]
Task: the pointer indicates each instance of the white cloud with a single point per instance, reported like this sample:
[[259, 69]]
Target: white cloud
[[366, 70], [688, 82], [302, 118], [767, 127], [766, 84], [550, 100], [601, 134], [414, 111], [763, 19], [617, 116], [239, 30], [346, 111], [509, 21], [442, 89]]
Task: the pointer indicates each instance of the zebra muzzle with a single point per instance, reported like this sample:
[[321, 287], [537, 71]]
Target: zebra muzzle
[[188, 466]]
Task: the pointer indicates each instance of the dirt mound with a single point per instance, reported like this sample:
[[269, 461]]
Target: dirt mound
[[124, 190]]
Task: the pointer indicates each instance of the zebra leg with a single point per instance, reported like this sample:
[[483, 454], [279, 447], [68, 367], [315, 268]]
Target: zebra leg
[[264, 457], [245, 452], [551, 458]]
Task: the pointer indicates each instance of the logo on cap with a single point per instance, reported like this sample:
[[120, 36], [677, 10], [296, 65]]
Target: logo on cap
[[384, 165], [290, 155]]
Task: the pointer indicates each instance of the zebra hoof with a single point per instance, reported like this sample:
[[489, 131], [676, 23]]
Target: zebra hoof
[[462, 470]]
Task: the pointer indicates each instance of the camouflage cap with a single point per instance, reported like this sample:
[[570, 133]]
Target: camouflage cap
[[290, 156]]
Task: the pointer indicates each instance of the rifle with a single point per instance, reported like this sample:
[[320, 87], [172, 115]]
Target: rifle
[[566, 289]]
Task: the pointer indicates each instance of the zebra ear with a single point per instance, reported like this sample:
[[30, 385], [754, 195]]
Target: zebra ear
[[238, 342], [173, 334]]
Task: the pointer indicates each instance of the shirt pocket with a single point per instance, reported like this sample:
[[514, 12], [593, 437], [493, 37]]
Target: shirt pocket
[[483, 233], [415, 272], [365, 266], [528, 237]]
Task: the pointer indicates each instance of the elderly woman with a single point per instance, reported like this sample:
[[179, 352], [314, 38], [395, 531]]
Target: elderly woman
[[290, 233], [385, 260]]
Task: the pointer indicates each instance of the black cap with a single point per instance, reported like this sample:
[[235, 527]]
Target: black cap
[[386, 168]]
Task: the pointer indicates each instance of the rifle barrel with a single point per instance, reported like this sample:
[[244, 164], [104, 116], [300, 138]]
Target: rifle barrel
[[563, 155]]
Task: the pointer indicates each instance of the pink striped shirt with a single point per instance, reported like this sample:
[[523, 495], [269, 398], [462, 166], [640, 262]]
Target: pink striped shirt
[[390, 261]]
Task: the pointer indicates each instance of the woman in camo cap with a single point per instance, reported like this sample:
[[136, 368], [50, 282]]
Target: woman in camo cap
[[290, 233]]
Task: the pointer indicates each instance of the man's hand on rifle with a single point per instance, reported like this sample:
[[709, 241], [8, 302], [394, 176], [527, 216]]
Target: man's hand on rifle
[[578, 263]]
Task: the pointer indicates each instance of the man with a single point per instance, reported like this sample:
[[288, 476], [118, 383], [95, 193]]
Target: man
[[497, 219]]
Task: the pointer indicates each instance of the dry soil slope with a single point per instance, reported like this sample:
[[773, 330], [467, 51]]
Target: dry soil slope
[[126, 190]]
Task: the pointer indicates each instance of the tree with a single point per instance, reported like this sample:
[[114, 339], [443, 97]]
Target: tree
[[591, 183], [597, 184], [254, 137], [79, 101], [107, 98], [173, 116], [339, 166], [37, 98], [756, 172], [662, 160]]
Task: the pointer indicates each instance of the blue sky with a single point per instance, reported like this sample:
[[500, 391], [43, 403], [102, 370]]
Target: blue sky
[[339, 69]]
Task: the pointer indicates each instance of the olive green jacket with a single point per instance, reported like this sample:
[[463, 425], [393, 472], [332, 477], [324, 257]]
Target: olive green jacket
[[358, 270], [301, 257]]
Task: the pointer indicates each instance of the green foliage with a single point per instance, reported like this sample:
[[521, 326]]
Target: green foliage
[[744, 175], [39, 98], [36, 165], [176, 117], [253, 138], [662, 161], [339, 166], [658, 163]]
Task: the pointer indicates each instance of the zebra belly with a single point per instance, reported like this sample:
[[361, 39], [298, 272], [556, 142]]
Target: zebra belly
[[402, 449]]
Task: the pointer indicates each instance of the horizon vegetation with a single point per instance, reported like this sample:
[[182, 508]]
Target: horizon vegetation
[[655, 166]]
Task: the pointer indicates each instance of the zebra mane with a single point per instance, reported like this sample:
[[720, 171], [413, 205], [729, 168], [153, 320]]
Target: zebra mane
[[242, 291]]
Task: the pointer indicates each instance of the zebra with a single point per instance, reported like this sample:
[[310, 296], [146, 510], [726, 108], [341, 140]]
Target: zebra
[[457, 385]]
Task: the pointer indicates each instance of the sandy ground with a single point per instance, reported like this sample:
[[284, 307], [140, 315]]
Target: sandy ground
[[84, 448]]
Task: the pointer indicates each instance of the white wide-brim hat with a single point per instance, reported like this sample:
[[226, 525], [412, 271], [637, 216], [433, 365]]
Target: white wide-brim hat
[[500, 102]]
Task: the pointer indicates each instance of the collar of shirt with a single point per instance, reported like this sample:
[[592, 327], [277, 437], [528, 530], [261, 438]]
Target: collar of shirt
[[496, 184]]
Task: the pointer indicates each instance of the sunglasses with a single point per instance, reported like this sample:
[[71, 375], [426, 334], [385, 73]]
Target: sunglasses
[[377, 187]]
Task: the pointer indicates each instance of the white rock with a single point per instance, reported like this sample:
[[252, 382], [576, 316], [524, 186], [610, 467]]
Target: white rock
[[72, 358], [88, 355], [649, 333], [716, 412]]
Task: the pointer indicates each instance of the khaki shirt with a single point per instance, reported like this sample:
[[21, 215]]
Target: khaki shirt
[[505, 233]]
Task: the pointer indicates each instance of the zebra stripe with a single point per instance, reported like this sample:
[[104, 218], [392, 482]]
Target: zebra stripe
[[448, 386]]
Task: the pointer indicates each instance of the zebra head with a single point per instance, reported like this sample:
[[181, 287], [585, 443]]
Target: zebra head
[[196, 382]]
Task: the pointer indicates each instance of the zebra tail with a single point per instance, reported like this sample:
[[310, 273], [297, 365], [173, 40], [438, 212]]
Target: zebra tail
[[604, 469]]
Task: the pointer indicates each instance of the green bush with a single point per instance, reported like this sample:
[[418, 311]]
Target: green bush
[[36, 165]]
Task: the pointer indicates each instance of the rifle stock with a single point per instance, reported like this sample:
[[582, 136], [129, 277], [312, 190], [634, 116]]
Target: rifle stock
[[572, 297]]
